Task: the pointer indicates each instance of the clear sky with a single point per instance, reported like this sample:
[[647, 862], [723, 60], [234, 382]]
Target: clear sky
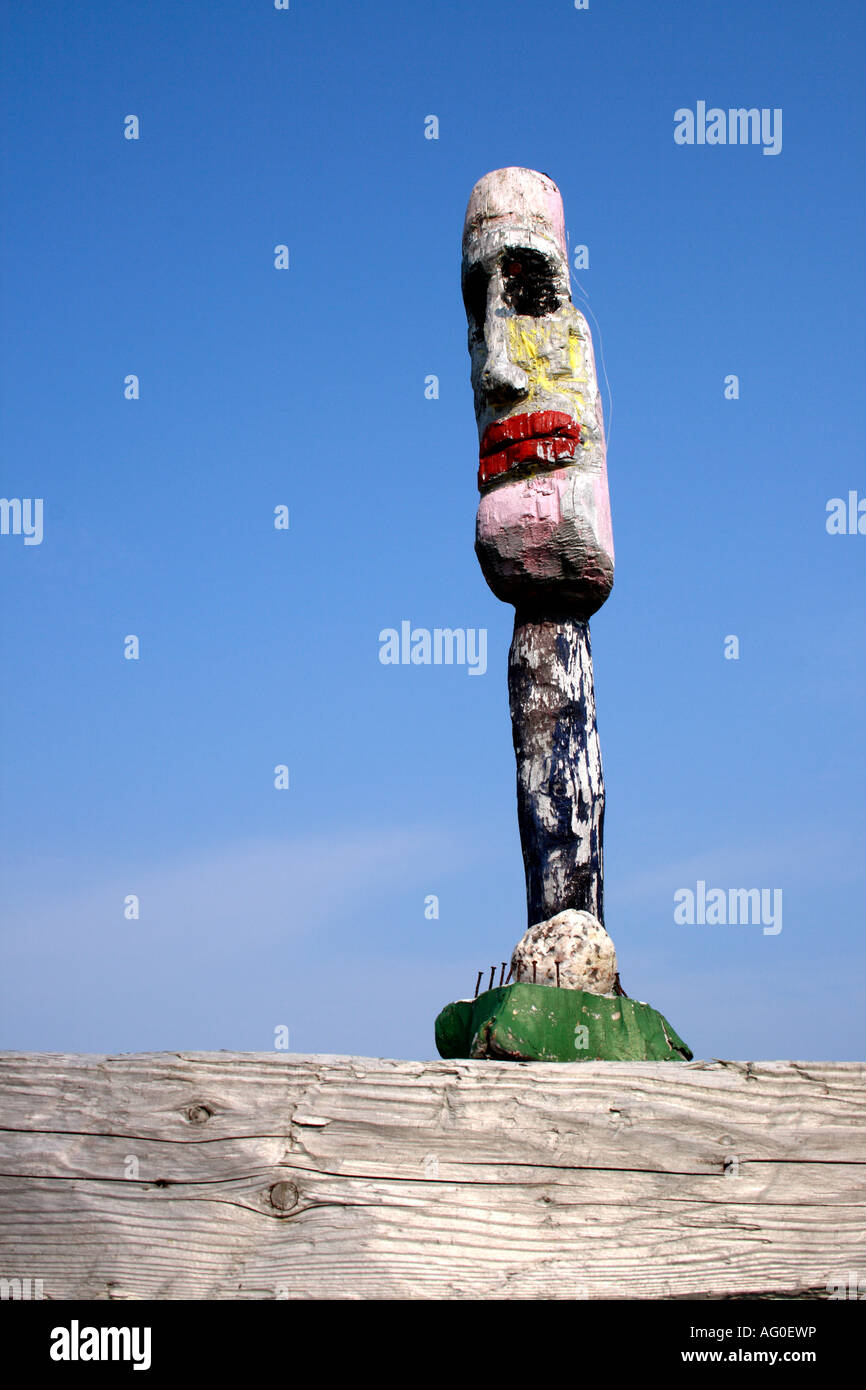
[[304, 908]]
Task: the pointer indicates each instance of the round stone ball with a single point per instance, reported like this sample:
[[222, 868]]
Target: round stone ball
[[577, 943]]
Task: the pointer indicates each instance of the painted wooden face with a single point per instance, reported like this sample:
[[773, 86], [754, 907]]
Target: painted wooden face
[[543, 533]]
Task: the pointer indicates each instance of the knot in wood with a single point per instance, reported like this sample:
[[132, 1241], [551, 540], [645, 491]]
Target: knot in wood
[[199, 1114], [284, 1196]]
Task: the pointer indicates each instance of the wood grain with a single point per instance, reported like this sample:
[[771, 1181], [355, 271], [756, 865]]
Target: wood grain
[[246, 1175]]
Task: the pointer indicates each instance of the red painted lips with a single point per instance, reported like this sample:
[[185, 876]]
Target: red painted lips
[[544, 437]]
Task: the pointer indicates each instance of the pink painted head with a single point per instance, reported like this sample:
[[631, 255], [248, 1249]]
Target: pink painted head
[[543, 533]]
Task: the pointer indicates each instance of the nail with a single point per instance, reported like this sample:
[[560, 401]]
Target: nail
[[502, 973], [557, 974], [492, 976], [533, 972], [477, 983]]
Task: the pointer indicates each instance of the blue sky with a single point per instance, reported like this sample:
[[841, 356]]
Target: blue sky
[[305, 908]]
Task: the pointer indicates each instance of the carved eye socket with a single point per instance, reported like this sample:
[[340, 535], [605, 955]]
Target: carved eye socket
[[475, 300], [530, 284]]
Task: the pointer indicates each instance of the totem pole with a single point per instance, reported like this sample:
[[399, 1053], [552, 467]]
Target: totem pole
[[545, 545]]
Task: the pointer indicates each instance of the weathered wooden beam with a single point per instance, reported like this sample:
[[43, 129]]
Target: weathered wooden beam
[[258, 1176]]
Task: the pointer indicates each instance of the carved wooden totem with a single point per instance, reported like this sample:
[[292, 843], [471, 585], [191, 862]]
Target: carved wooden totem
[[543, 532], [544, 540]]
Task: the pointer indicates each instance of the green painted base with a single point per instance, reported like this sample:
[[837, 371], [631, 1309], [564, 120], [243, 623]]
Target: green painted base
[[537, 1023]]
